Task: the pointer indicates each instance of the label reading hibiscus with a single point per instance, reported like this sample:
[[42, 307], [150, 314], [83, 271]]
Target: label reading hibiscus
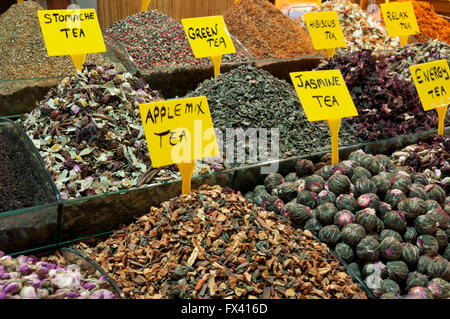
[[432, 82], [399, 18], [325, 30], [323, 94]]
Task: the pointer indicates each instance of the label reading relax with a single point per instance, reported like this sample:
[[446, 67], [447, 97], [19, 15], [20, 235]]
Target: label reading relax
[[432, 82], [399, 18], [208, 36], [178, 131], [325, 30], [323, 94], [71, 32]]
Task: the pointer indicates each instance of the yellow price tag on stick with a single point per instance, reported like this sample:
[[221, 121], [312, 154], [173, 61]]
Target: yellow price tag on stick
[[179, 132], [73, 32], [144, 5], [325, 97], [209, 37], [325, 31], [400, 20], [432, 81]]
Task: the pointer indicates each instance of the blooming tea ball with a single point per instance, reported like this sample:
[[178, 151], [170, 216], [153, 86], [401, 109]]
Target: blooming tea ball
[[417, 190], [391, 248], [330, 235], [374, 267], [343, 218], [422, 264], [325, 213], [389, 295], [438, 267], [413, 207], [419, 292], [382, 184], [432, 204], [410, 254], [402, 183], [380, 226], [428, 245], [384, 160], [346, 202], [368, 249], [383, 209], [347, 167], [352, 234], [314, 183], [273, 204], [344, 251], [440, 216], [425, 224], [355, 268], [435, 192], [325, 172], [397, 270], [390, 286], [260, 198], [287, 191], [416, 279], [364, 186], [326, 197], [307, 198], [304, 167], [439, 288], [272, 180], [249, 197], [395, 220], [394, 197], [313, 225], [339, 184], [300, 214], [442, 239], [421, 178], [390, 233], [370, 163], [367, 218], [291, 177], [368, 200], [410, 235], [447, 252]]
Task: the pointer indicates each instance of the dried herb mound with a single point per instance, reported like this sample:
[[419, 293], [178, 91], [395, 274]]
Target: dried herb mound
[[248, 97], [387, 105], [266, 32], [212, 243], [89, 132]]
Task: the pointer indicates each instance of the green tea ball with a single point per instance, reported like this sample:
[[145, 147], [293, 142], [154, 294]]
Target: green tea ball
[[273, 180], [273, 204], [383, 209], [440, 216], [260, 198], [374, 267], [422, 264], [390, 295], [417, 190], [416, 279], [395, 220], [447, 252], [382, 184], [287, 191], [291, 177], [385, 161], [258, 189], [304, 167], [355, 268], [438, 267], [425, 224], [421, 178], [363, 186], [397, 270], [428, 245], [402, 183], [346, 202], [356, 156], [330, 235], [300, 214], [432, 204], [314, 183], [325, 172], [410, 254], [249, 197], [307, 198], [344, 251], [367, 218], [325, 213], [413, 207], [343, 217], [435, 192], [326, 197], [347, 167], [368, 249], [394, 197], [370, 163], [446, 208], [439, 288], [410, 235], [352, 234], [391, 248], [380, 226], [339, 184], [368, 200], [313, 225], [390, 233], [442, 239]]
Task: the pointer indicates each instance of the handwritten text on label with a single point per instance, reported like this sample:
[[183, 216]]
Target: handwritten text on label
[[399, 18], [325, 30]]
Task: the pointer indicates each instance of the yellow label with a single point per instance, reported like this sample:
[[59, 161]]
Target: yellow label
[[323, 95], [208, 36], [325, 30], [71, 32], [399, 18], [144, 5], [178, 131], [432, 82]]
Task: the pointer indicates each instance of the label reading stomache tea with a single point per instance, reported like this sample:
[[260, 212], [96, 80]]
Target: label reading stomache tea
[[325, 30], [323, 94], [208, 36], [432, 82], [178, 131], [399, 18], [71, 32]]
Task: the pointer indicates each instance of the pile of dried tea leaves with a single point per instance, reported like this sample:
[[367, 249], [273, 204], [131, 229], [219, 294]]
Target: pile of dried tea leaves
[[212, 243]]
